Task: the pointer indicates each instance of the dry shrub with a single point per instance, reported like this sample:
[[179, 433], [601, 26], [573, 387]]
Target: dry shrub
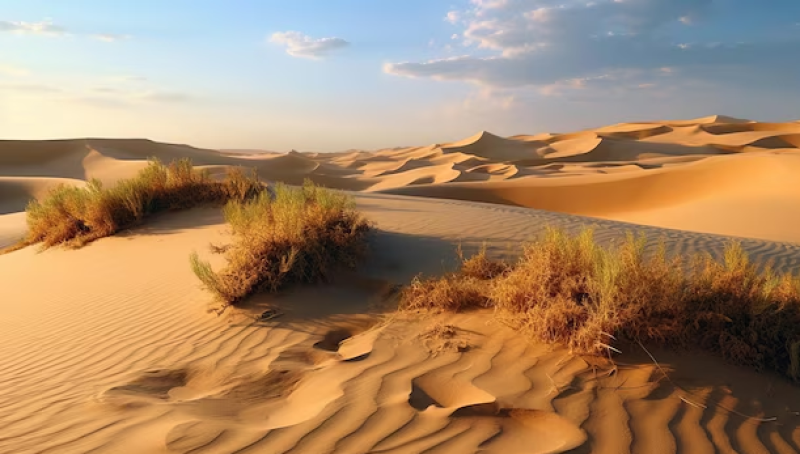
[[455, 292], [292, 236], [75, 216], [452, 293], [568, 290], [480, 266]]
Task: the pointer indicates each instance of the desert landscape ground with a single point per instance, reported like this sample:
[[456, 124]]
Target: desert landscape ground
[[111, 348]]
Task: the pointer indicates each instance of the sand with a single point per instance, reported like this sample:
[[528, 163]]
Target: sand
[[111, 348]]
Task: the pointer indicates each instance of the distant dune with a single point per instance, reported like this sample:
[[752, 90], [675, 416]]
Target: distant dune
[[110, 348], [714, 174]]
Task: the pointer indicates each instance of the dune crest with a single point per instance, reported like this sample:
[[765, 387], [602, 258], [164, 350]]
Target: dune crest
[[675, 174]]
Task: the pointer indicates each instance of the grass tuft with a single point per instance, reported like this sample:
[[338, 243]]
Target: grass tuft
[[290, 235], [74, 216], [568, 290]]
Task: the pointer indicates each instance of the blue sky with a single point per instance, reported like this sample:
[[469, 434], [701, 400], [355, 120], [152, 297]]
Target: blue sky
[[320, 75]]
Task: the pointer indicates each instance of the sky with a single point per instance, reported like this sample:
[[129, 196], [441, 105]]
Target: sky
[[323, 75]]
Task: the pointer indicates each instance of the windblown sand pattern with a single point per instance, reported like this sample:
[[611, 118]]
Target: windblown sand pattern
[[110, 348]]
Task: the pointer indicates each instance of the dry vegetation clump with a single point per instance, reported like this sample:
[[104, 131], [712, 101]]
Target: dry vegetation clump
[[74, 216], [480, 266], [292, 236], [452, 293], [568, 290], [455, 292]]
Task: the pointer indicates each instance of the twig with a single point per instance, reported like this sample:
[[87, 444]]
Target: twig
[[553, 382], [694, 404]]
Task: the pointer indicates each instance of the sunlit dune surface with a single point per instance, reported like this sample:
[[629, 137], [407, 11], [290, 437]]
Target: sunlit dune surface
[[110, 348], [714, 174]]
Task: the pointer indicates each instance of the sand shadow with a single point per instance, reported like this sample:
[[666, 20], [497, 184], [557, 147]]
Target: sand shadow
[[173, 222]]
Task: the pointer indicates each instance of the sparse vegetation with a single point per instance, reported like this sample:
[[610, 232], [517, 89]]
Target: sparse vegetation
[[293, 235], [568, 290], [74, 216]]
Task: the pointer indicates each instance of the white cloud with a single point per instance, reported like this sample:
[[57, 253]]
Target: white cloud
[[453, 17], [300, 45], [34, 28], [559, 43]]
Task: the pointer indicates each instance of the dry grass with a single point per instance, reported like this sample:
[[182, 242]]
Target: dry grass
[[292, 236], [74, 216], [568, 290]]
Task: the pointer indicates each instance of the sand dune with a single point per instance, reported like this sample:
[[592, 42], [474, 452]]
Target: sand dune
[[121, 356], [713, 174], [110, 348], [15, 192]]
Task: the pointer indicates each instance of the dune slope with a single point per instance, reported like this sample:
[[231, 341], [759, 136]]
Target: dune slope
[[118, 354], [714, 174]]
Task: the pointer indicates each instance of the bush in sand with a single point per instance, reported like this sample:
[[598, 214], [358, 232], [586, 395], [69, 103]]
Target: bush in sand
[[74, 216], [568, 290], [293, 235]]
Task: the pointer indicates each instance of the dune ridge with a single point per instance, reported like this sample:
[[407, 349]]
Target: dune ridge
[[111, 348], [661, 173]]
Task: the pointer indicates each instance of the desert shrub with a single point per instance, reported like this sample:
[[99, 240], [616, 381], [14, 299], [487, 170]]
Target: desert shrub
[[452, 293], [288, 235], [480, 266], [568, 290], [77, 215]]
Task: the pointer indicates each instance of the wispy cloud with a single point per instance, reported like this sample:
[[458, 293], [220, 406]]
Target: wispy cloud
[[33, 28], [111, 97], [300, 45], [48, 28], [116, 92]]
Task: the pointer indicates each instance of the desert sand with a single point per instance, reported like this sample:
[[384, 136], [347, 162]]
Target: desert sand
[[112, 349]]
